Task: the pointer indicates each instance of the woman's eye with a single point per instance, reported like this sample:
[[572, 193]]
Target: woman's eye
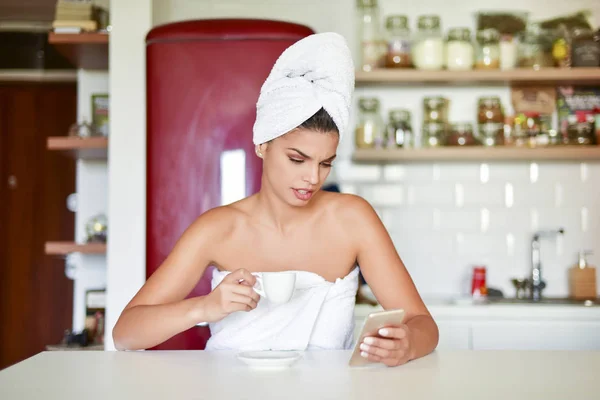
[[327, 165], [295, 160]]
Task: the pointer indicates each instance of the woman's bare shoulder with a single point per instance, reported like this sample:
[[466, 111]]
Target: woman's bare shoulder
[[345, 205], [217, 222]]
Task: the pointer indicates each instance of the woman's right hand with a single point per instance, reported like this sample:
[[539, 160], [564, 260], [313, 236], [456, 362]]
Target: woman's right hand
[[234, 293]]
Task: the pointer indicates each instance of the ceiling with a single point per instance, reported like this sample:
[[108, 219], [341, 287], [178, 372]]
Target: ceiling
[[27, 10]]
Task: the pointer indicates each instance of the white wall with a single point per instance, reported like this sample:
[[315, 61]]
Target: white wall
[[446, 238], [127, 156]]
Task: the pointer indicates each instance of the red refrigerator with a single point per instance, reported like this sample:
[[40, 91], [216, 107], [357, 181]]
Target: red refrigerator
[[203, 81]]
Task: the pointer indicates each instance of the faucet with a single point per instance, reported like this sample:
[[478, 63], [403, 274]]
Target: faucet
[[537, 284]]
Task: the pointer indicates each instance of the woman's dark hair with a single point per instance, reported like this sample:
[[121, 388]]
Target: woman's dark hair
[[320, 122]]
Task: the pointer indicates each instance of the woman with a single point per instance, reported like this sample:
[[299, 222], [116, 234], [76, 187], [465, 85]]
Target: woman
[[302, 112]]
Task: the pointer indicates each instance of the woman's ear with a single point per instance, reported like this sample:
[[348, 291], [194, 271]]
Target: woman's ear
[[260, 149]]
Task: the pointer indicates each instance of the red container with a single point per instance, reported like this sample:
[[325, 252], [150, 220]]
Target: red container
[[478, 283]]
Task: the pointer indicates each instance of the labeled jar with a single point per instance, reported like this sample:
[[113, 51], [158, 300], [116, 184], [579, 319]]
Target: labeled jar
[[369, 131], [488, 49], [491, 134], [580, 131], [435, 109], [585, 49], [434, 134], [489, 109], [459, 49], [428, 48], [398, 42], [399, 131], [461, 134], [369, 34]]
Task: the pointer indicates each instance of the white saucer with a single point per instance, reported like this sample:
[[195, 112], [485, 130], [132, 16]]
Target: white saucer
[[269, 359]]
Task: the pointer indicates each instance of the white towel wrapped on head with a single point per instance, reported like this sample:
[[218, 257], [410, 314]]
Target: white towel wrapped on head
[[320, 315], [315, 72]]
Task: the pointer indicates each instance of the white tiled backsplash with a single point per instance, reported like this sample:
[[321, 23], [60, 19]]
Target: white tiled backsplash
[[446, 217]]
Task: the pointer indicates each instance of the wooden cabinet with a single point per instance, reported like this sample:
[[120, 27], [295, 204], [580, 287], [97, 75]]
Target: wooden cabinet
[[35, 295]]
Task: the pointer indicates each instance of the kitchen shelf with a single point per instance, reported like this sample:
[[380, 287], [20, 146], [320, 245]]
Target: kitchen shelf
[[64, 248], [44, 75], [544, 76], [84, 50], [93, 148], [458, 154]]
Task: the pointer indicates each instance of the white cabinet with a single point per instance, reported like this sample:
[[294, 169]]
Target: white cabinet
[[535, 335], [510, 328]]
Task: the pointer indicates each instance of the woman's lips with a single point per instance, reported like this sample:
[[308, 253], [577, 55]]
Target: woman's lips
[[303, 194]]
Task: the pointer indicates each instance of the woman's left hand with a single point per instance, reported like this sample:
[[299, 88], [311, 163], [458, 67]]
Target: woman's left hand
[[392, 347]]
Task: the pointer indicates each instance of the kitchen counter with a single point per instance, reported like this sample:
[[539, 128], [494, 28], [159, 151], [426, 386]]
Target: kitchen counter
[[318, 375], [465, 308]]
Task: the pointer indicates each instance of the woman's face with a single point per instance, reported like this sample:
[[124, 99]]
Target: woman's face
[[296, 164]]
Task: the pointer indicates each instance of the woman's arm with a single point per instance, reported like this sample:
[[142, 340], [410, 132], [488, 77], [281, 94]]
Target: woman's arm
[[158, 311], [392, 286]]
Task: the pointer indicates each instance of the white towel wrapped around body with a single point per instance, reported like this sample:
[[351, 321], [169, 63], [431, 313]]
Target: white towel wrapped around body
[[319, 316], [315, 72]]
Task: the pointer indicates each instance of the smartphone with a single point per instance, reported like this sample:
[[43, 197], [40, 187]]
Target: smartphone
[[371, 326]]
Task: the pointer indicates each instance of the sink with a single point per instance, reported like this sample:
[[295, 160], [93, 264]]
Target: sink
[[544, 301]]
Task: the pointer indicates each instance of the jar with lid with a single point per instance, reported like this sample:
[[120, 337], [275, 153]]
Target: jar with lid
[[489, 109], [491, 133], [435, 109], [580, 130], [371, 50], [434, 134], [428, 47], [585, 50], [535, 49], [399, 131], [398, 42], [488, 49], [459, 49], [369, 132], [461, 134]]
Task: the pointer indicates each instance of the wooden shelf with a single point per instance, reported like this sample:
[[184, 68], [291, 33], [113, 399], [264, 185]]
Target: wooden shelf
[[478, 153], [84, 50], [545, 76], [46, 75], [64, 248], [94, 148]]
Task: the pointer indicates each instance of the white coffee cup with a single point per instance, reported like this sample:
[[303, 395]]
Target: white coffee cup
[[277, 287]]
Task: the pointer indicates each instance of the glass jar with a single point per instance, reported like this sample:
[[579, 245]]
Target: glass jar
[[580, 131], [489, 109], [459, 49], [488, 49], [434, 134], [533, 49], [428, 48], [369, 132], [585, 50], [435, 109], [398, 42], [461, 134], [509, 52], [369, 35], [491, 133], [399, 130]]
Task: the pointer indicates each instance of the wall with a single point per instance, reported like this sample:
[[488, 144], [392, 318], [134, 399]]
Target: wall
[[126, 268], [437, 234]]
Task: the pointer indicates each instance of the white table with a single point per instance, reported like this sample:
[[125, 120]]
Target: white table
[[319, 375]]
